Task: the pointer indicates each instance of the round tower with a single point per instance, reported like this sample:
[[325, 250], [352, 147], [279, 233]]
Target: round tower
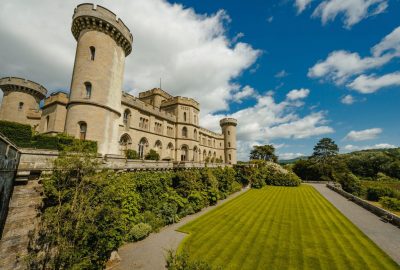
[[94, 107], [228, 126], [21, 97]]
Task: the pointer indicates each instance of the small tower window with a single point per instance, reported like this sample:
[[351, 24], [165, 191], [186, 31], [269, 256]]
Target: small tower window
[[229, 144], [229, 133], [184, 132], [88, 87], [47, 123], [82, 130], [184, 117], [20, 106], [92, 53], [230, 157]]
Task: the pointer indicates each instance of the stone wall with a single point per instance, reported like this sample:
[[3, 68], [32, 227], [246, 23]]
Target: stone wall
[[394, 219], [9, 158]]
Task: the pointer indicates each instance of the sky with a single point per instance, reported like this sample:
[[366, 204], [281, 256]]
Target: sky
[[290, 71]]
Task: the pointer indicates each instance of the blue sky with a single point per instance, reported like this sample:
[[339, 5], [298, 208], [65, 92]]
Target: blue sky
[[290, 71], [296, 42]]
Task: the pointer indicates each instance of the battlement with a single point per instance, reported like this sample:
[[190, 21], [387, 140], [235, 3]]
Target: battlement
[[88, 16], [211, 133], [228, 121], [57, 97], [182, 101], [155, 91], [23, 85], [138, 104]]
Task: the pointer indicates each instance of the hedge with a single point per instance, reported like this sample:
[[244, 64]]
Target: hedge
[[22, 136]]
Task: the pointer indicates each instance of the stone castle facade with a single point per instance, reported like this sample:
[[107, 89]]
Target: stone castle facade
[[98, 109]]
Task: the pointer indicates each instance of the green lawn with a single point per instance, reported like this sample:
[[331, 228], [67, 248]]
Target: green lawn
[[281, 228]]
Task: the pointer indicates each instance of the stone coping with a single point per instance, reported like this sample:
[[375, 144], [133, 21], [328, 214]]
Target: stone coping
[[23, 85], [89, 16]]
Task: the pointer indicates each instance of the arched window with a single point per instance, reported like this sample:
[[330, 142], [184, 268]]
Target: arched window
[[92, 53], [143, 144], [184, 132], [230, 157], [125, 140], [170, 149], [127, 118], [82, 130], [195, 134], [184, 153], [20, 106], [194, 154], [46, 128], [88, 87], [158, 147], [184, 117]]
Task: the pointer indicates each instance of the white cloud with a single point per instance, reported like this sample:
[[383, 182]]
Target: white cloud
[[190, 52], [281, 74], [237, 37], [286, 156], [301, 5], [298, 94], [353, 11], [362, 135], [245, 92], [342, 66], [351, 147], [270, 19], [369, 84], [348, 100]]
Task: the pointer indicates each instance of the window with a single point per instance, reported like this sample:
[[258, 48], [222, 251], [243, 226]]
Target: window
[[127, 116], [229, 133], [82, 130], [170, 131], [184, 132], [142, 147], [184, 117], [46, 128], [229, 144], [230, 157], [184, 153], [88, 87], [158, 128], [144, 123], [20, 106], [195, 134], [92, 53], [195, 119]]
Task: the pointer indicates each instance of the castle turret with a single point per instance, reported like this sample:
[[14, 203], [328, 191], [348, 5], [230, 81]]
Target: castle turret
[[94, 106], [228, 126], [21, 100]]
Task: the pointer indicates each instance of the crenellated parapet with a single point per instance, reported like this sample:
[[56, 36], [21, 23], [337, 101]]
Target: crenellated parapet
[[9, 84], [155, 91], [181, 101], [87, 16], [228, 121]]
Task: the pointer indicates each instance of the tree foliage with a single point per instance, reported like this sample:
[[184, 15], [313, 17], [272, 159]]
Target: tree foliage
[[263, 152]]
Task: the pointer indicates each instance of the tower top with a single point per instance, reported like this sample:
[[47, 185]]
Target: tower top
[[228, 121], [23, 85], [88, 16]]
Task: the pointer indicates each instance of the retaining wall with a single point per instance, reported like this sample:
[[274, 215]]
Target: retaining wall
[[394, 219]]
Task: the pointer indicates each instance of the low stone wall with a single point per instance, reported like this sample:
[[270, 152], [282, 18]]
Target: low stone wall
[[394, 219]]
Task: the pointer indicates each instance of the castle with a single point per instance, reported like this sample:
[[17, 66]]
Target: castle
[[98, 109]]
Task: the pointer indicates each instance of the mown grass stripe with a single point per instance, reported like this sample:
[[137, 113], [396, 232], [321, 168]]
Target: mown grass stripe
[[282, 228]]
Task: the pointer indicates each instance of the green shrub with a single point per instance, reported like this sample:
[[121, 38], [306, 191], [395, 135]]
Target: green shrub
[[19, 134], [375, 193], [349, 182], [390, 203], [131, 154], [152, 155], [139, 231], [182, 261]]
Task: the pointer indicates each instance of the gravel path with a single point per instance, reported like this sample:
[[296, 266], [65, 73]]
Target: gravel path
[[385, 235], [149, 254]]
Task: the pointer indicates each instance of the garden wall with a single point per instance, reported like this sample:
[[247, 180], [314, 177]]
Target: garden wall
[[394, 219]]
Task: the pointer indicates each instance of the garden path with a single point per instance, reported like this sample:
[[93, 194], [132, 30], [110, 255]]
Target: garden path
[[385, 235], [149, 254]]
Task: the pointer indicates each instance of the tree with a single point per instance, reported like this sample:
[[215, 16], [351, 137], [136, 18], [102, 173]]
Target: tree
[[264, 152], [325, 149], [324, 152]]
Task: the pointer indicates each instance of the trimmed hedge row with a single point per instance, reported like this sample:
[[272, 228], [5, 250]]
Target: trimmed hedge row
[[22, 136]]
